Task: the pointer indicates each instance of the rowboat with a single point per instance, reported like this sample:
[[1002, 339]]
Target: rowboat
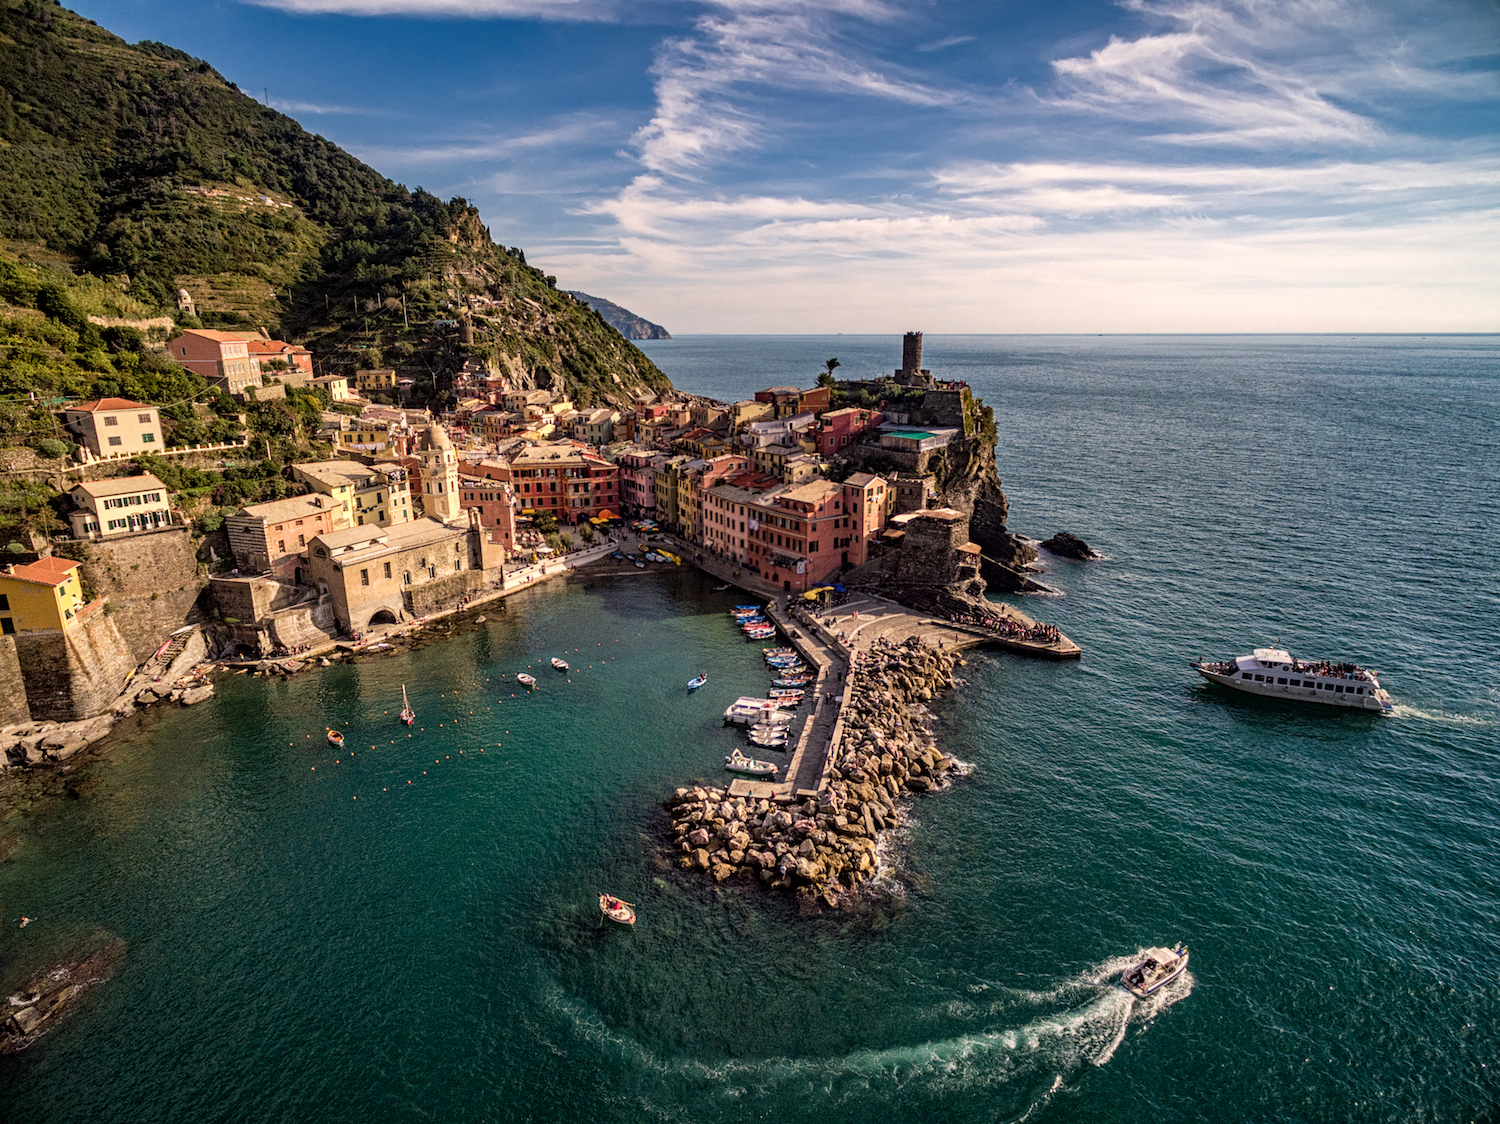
[[785, 693], [616, 909], [790, 681], [527, 681], [335, 739], [408, 715], [753, 608], [737, 762], [769, 652], [560, 664], [697, 681]]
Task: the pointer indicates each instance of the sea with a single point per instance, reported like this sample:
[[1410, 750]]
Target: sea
[[406, 929]]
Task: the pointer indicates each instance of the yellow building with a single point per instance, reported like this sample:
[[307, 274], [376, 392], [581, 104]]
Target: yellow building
[[39, 595], [378, 493], [383, 379]]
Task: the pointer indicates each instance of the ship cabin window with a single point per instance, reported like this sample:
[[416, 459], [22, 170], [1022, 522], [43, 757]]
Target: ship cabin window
[[1340, 688], [1296, 682], [1282, 681], [1359, 690], [1244, 675], [1260, 678]]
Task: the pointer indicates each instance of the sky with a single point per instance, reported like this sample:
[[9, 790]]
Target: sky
[[786, 166]]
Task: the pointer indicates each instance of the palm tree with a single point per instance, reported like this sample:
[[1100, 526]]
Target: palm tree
[[826, 378]]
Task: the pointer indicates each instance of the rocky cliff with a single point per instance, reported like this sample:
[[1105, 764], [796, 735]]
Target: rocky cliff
[[622, 320]]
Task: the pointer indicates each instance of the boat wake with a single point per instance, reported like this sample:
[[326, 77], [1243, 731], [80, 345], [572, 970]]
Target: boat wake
[[1060, 1034], [1404, 711]]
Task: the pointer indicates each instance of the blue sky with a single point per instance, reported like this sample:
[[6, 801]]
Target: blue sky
[[955, 166]]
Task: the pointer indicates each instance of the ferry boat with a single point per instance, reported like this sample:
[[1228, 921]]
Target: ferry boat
[[1273, 673]]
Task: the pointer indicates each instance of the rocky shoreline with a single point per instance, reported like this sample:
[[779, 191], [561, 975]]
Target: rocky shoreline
[[50, 994], [827, 849]]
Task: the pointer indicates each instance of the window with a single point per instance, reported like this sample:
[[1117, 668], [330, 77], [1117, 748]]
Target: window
[[1282, 682], [148, 438], [1244, 675], [301, 540], [406, 577], [111, 421], [387, 571], [281, 546], [144, 419], [1296, 682], [432, 571], [4, 602], [364, 577], [7, 626], [114, 441]]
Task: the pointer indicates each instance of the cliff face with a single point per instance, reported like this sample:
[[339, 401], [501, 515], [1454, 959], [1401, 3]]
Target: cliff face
[[622, 320]]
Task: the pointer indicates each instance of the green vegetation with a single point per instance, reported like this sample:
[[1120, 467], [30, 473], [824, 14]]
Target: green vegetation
[[144, 168]]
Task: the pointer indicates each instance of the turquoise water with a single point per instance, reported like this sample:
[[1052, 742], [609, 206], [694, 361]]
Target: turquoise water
[[430, 950]]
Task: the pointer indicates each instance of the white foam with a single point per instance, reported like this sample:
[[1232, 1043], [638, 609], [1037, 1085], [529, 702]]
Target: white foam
[[1087, 1024], [1403, 711]]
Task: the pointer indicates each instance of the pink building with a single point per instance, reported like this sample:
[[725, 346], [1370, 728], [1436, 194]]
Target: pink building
[[838, 429], [791, 534], [485, 487], [221, 357], [867, 505], [637, 482]]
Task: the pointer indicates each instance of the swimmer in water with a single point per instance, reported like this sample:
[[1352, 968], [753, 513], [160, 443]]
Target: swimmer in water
[[25, 921]]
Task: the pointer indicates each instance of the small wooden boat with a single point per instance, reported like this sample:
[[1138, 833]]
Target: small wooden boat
[[790, 681], [752, 608], [408, 715], [616, 909], [769, 652], [560, 664], [737, 762], [335, 739], [527, 681], [697, 681], [1156, 968], [785, 693]]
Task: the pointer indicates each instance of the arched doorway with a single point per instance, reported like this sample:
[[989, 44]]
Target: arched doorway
[[383, 616]]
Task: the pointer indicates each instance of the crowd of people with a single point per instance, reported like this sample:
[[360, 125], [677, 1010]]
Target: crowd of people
[[1037, 633]]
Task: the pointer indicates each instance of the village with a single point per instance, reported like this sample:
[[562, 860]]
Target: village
[[421, 513]]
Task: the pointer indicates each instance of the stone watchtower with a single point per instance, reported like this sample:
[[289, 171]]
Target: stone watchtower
[[440, 495], [911, 373]]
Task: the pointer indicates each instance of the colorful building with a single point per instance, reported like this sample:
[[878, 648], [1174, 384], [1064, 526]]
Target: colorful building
[[127, 504], [378, 494], [272, 537], [41, 595], [111, 427]]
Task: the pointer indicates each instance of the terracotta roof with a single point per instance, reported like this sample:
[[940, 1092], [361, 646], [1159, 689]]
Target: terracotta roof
[[221, 337], [109, 404], [275, 347], [45, 571]]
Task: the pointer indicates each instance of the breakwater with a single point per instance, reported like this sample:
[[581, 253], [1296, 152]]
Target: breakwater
[[825, 847]]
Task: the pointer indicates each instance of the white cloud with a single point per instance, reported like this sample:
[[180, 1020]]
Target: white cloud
[[780, 45], [944, 44], [472, 9]]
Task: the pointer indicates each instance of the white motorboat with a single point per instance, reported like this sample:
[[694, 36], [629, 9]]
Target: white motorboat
[[1156, 968], [1273, 673], [697, 681], [748, 710], [527, 681], [737, 762]]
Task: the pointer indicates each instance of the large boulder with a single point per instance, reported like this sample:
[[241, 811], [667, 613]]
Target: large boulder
[[1065, 545]]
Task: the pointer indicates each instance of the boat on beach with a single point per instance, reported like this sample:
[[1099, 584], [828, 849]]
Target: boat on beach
[[616, 909], [737, 762], [1273, 673], [1156, 968], [560, 664], [527, 681], [697, 681], [335, 739], [408, 715]]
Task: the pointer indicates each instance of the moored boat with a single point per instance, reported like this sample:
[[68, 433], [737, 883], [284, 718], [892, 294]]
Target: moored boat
[[1273, 673], [790, 681], [785, 693], [697, 681], [335, 739], [1156, 968], [749, 710], [616, 909], [527, 681], [560, 664], [408, 715], [737, 762]]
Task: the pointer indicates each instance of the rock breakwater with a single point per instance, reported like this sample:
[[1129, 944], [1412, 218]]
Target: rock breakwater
[[826, 848]]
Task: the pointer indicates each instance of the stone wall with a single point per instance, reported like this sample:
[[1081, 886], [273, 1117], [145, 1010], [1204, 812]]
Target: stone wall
[[929, 551], [12, 685], [77, 673], [443, 593], [313, 623], [150, 579]]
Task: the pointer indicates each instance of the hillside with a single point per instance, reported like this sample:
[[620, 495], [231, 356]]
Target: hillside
[[622, 320], [142, 165]]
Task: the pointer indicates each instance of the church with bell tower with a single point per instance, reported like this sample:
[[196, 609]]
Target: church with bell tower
[[440, 495]]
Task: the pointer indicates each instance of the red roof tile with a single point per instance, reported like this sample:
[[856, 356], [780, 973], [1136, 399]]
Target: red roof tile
[[110, 404]]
